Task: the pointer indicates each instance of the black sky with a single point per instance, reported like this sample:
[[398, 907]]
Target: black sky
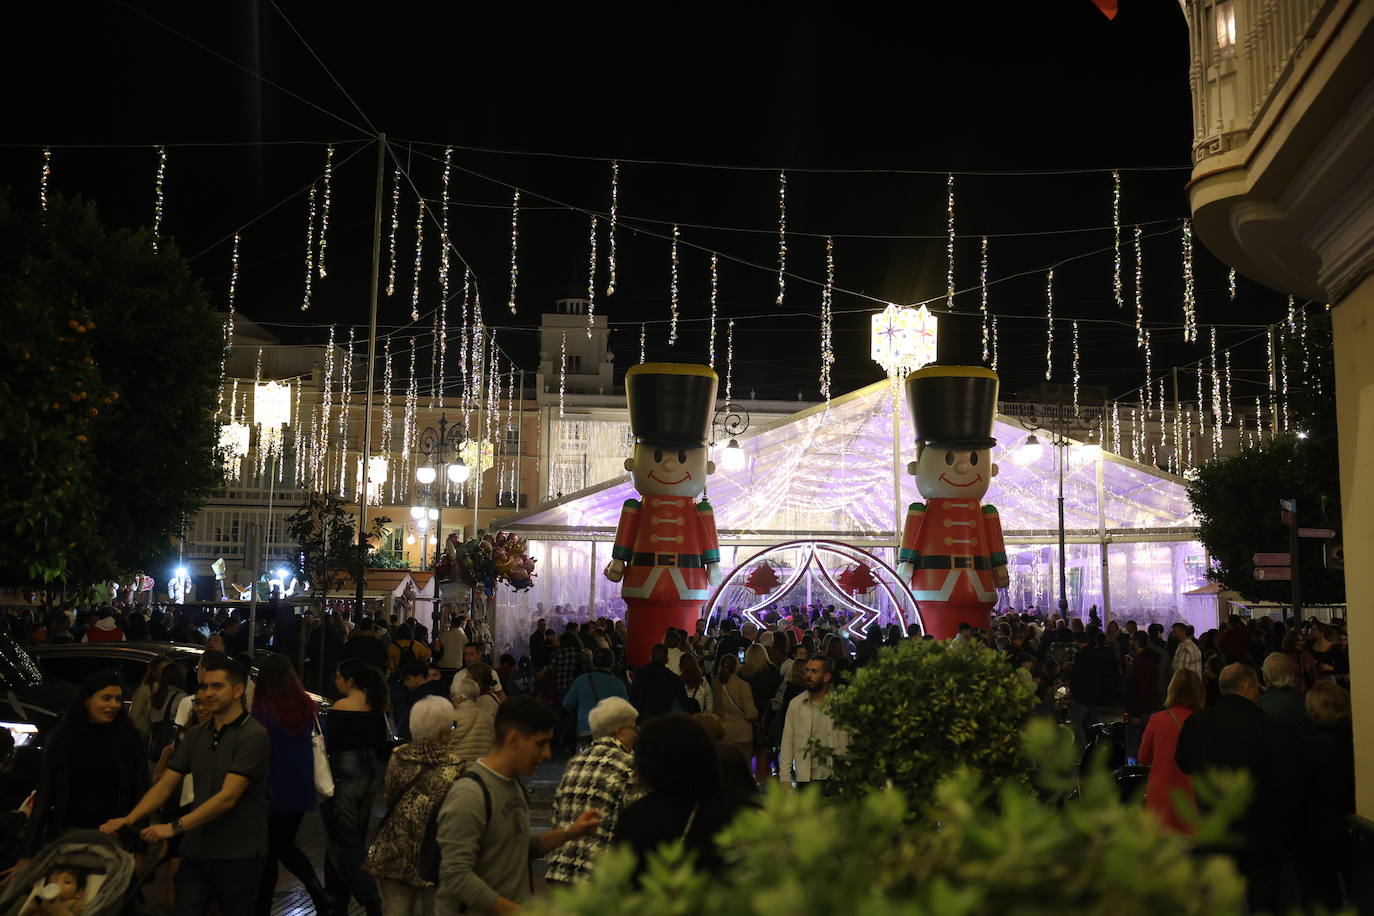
[[964, 87]]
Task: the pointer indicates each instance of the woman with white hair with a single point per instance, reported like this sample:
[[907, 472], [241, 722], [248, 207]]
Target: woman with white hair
[[418, 778], [601, 777], [474, 730]]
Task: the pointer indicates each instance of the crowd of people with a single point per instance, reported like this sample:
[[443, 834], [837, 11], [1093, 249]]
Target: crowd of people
[[669, 750]]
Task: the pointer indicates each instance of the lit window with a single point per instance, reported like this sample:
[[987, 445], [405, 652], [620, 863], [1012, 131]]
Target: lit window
[[1226, 25]]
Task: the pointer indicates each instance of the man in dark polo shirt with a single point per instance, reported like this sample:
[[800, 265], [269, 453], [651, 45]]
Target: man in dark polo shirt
[[226, 831]]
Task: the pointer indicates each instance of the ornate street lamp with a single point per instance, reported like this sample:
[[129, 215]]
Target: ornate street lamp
[[437, 445]]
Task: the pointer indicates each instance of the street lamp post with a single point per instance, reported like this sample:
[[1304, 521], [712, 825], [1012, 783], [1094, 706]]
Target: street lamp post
[[437, 445], [1057, 425]]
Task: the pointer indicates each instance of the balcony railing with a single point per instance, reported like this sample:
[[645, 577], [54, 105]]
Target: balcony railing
[[1243, 53]]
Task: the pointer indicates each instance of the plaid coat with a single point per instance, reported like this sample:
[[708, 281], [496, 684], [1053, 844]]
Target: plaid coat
[[601, 777]]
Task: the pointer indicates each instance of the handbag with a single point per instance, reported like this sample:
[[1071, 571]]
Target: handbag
[[324, 777], [754, 724]]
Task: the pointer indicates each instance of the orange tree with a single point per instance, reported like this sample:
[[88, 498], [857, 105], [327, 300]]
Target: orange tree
[[110, 373]]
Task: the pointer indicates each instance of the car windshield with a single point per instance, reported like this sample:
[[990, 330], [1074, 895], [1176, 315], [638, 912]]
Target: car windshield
[[17, 669]]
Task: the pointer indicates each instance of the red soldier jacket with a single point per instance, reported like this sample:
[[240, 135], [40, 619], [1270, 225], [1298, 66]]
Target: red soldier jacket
[[665, 544], [952, 533]]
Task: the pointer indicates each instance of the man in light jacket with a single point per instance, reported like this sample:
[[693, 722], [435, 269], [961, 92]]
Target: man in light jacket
[[807, 719], [1187, 655]]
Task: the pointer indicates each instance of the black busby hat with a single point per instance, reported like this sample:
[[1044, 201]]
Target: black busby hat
[[671, 403], [953, 405]]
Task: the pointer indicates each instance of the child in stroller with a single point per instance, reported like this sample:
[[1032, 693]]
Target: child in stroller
[[84, 873]]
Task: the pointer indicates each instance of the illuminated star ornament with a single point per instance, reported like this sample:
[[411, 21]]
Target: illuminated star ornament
[[902, 339]]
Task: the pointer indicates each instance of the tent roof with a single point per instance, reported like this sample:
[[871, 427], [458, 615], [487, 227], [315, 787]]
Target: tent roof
[[828, 469]]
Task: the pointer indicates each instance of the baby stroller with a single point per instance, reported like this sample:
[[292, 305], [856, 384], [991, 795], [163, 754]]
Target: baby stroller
[[106, 876]]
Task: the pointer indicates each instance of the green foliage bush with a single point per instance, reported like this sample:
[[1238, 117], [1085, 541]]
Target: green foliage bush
[[984, 850], [924, 708]]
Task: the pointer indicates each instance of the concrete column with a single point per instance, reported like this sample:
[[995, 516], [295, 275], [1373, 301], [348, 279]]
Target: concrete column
[[1353, 331]]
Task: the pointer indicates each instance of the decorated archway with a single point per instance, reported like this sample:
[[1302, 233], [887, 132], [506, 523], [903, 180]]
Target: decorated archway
[[809, 571]]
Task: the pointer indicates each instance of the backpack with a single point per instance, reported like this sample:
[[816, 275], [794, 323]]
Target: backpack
[[486, 802]]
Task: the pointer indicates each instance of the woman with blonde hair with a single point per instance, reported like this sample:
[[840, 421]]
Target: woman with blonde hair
[[764, 681], [1169, 789], [734, 703]]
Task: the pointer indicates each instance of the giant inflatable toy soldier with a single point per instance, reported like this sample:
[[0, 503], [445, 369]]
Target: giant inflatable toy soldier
[[666, 554], [952, 552]]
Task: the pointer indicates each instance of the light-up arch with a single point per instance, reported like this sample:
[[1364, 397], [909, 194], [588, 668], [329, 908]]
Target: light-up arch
[[810, 566]]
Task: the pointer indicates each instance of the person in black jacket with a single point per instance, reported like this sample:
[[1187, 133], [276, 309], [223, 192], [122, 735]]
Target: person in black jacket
[[94, 767], [1326, 765], [1236, 734], [1090, 679], [656, 691]]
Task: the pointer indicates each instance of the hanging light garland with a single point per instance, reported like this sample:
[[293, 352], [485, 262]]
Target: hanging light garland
[[729, 361], [463, 330], [591, 277], [1229, 415], [642, 339], [562, 371], [1075, 365], [1218, 410], [444, 256], [1149, 374], [408, 426], [158, 196], [949, 242], [1189, 300], [514, 249], [321, 471], [782, 235], [233, 275], [395, 227], [672, 291], [1292, 319], [324, 208], [1283, 373], [419, 258], [827, 307], [1116, 428], [715, 276], [43, 183], [344, 405], [1139, 291], [386, 404], [994, 343], [1116, 239], [1231, 282], [1049, 324], [610, 247], [309, 248], [1273, 387], [983, 284], [434, 380]]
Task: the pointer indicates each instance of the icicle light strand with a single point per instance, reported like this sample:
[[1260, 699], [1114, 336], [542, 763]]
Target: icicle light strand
[[1075, 366], [1149, 372], [983, 284], [715, 288], [994, 343], [395, 227], [672, 292], [591, 278], [827, 307], [159, 197], [309, 248], [729, 360], [419, 258], [1116, 239], [43, 183], [643, 336], [514, 249], [1189, 301], [562, 371], [1231, 282], [1049, 324], [1229, 413], [782, 235], [324, 208], [610, 247], [233, 274], [1139, 291]]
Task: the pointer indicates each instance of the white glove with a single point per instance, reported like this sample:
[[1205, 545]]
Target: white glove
[[905, 571], [615, 570], [714, 574]]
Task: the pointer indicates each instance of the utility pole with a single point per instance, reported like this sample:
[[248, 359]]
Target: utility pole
[[371, 370]]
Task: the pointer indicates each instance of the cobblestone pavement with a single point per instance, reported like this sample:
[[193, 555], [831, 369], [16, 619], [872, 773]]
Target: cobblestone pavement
[[291, 899]]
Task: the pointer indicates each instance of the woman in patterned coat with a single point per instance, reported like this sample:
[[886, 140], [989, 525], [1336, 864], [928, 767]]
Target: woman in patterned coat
[[418, 778], [601, 777]]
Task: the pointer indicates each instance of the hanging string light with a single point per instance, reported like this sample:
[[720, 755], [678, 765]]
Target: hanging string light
[[994, 343], [1116, 428], [1189, 301], [1149, 374], [1218, 410], [158, 196], [1139, 292], [1229, 415], [949, 242], [324, 207], [715, 275], [642, 338], [514, 249], [782, 235], [1302, 339], [395, 227], [591, 277], [321, 470], [1231, 282], [43, 183], [463, 330], [1116, 239], [729, 361], [386, 405], [1283, 372], [610, 248], [1273, 384], [1075, 366], [1292, 319], [344, 405], [983, 284], [1049, 324], [434, 379], [233, 275], [827, 306], [1163, 425], [412, 404], [562, 371], [309, 248], [419, 258], [672, 292], [441, 341]]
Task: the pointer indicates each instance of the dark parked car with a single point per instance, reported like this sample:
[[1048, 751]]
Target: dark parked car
[[30, 706]]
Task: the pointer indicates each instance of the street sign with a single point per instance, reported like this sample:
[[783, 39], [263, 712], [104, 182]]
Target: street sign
[[1273, 573], [1288, 505], [1323, 533], [1272, 559]]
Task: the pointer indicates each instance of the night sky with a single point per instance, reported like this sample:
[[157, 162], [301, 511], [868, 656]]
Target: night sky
[[855, 86]]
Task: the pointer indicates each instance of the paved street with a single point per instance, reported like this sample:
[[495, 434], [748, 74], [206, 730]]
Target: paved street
[[291, 900]]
